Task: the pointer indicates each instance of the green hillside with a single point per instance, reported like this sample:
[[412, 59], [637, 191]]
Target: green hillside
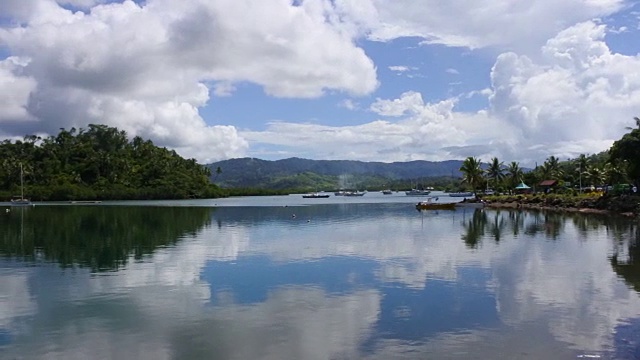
[[305, 174]]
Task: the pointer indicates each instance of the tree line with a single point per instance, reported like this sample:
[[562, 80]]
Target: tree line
[[619, 164], [99, 163]]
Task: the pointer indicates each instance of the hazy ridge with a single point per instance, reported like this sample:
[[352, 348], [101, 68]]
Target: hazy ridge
[[299, 173]]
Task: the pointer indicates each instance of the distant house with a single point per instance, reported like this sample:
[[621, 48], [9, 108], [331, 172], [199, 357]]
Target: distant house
[[548, 185]]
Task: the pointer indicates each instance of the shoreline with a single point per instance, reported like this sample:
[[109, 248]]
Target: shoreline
[[621, 205]]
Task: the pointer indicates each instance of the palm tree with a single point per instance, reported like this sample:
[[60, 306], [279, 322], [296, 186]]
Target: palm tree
[[594, 175], [514, 173], [582, 163], [615, 172], [553, 165], [495, 171], [637, 120], [472, 172]]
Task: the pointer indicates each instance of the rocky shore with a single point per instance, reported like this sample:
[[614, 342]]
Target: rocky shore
[[626, 205]]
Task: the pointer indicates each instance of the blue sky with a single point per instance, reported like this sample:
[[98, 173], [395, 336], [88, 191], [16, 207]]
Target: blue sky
[[371, 80]]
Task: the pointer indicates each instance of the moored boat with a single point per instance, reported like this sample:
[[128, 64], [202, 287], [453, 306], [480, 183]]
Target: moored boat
[[354, 193], [417, 192], [429, 204], [315, 196], [20, 200]]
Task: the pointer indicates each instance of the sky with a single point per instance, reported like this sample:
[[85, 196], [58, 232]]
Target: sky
[[369, 80]]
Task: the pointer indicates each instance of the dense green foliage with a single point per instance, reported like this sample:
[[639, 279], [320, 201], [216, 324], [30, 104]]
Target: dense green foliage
[[626, 151], [99, 164]]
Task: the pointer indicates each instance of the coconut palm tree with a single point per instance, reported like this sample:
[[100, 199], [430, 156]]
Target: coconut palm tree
[[472, 172], [594, 175], [514, 174], [495, 171], [553, 164], [637, 120]]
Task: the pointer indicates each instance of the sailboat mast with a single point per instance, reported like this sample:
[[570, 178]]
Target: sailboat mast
[[21, 182]]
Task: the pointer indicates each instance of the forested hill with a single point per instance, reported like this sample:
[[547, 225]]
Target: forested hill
[[326, 174], [98, 163]]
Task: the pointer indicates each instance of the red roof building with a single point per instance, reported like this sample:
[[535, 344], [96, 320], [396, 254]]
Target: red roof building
[[548, 183]]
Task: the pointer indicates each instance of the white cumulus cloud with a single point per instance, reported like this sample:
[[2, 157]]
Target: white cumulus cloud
[[146, 68], [574, 96], [473, 23]]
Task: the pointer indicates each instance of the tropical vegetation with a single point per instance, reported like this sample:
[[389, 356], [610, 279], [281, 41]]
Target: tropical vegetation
[[99, 163], [619, 165]]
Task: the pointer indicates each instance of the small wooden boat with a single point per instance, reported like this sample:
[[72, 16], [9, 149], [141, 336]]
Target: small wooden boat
[[430, 204]]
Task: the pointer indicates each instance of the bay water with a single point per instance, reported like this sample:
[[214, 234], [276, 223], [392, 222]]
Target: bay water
[[291, 278]]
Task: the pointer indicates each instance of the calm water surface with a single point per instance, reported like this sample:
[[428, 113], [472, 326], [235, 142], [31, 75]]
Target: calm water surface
[[357, 278]]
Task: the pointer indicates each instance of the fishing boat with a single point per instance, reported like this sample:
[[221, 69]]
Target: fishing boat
[[20, 200], [430, 204], [315, 196]]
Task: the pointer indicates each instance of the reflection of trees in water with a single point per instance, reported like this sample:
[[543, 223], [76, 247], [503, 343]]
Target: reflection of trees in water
[[516, 220], [553, 224], [474, 228], [550, 223], [535, 223], [625, 234], [586, 223], [625, 260], [98, 237], [497, 226]]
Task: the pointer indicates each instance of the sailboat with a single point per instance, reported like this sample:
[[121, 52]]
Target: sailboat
[[20, 201]]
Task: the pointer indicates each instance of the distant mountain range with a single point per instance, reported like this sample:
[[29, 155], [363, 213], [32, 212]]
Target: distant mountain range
[[326, 174]]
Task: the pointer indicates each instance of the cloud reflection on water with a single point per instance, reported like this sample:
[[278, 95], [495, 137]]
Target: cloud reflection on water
[[553, 293]]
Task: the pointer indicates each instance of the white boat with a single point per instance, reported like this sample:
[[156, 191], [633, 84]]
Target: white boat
[[354, 193], [417, 192], [315, 196], [20, 200]]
